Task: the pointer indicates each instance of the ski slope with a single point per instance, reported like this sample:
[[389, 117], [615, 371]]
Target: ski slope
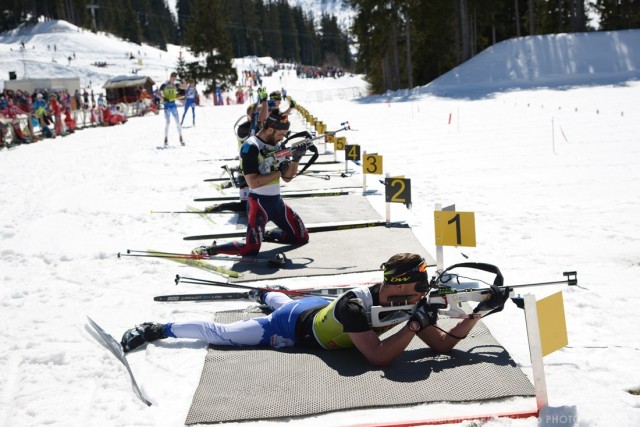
[[551, 174]]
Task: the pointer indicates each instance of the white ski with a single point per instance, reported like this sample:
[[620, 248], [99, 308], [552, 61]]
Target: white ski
[[115, 348]]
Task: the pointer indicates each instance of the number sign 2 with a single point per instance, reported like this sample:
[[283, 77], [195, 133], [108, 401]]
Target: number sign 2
[[397, 190]]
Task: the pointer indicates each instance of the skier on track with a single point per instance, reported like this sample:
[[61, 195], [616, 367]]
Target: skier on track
[[342, 323], [190, 102], [169, 92]]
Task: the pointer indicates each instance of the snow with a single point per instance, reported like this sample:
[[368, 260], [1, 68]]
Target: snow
[[49, 44], [551, 174]]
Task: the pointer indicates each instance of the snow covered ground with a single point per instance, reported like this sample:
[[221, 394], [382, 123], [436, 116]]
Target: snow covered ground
[[551, 174]]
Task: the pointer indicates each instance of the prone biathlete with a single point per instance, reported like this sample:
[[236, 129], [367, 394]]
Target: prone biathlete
[[342, 323]]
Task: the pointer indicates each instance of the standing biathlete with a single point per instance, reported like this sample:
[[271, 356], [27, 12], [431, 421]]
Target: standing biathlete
[[342, 323], [264, 203], [169, 91], [190, 102]]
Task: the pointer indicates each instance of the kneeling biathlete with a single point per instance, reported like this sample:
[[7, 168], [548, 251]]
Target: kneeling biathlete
[[341, 323]]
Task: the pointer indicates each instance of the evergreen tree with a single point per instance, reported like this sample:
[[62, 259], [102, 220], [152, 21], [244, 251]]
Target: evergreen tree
[[184, 10], [205, 37], [307, 39], [252, 36], [288, 31], [618, 14], [235, 26], [271, 31]]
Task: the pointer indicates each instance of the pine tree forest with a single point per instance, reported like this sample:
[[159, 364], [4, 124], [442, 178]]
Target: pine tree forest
[[396, 43]]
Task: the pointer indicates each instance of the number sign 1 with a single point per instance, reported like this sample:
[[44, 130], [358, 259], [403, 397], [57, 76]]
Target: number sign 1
[[455, 228]]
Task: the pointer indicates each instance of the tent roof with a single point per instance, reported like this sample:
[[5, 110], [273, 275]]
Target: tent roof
[[127, 81]]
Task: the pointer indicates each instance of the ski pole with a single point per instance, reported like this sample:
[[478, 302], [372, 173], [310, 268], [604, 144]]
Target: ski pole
[[279, 260], [195, 281], [191, 212], [133, 252], [178, 256]]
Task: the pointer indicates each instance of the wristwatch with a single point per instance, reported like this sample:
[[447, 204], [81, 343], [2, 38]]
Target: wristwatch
[[414, 326]]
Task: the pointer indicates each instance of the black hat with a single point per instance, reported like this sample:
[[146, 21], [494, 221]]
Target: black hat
[[277, 121], [399, 274], [275, 95]]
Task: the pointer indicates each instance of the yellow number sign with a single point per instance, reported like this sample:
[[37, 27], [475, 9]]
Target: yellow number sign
[[552, 323], [341, 142], [455, 228], [372, 164]]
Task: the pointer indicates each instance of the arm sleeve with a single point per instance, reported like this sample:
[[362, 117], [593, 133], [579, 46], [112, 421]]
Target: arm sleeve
[[249, 155]]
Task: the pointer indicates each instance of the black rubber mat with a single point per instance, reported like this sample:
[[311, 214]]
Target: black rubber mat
[[334, 252], [258, 383]]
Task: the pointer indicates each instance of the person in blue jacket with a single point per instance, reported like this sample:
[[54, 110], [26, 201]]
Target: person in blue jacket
[[190, 102]]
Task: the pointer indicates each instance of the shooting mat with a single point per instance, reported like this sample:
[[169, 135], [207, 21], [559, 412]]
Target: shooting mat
[[333, 252], [256, 383]]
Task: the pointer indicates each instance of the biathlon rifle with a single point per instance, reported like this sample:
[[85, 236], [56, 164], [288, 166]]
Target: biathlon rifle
[[284, 153], [448, 300]]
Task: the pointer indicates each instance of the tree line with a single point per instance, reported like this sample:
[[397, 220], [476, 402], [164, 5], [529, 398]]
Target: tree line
[[252, 27], [399, 43], [407, 43], [217, 30]]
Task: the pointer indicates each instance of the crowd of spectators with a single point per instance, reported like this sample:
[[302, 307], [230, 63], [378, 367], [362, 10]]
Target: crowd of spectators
[[310, 72], [29, 117]]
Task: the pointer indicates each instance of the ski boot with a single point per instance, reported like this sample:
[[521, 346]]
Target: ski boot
[[143, 333], [272, 235], [182, 141], [258, 294], [166, 142], [205, 250]]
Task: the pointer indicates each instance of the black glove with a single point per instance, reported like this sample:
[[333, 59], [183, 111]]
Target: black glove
[[283, 166], [292, 103], [425, 314], [495, 301], [298, 150]]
